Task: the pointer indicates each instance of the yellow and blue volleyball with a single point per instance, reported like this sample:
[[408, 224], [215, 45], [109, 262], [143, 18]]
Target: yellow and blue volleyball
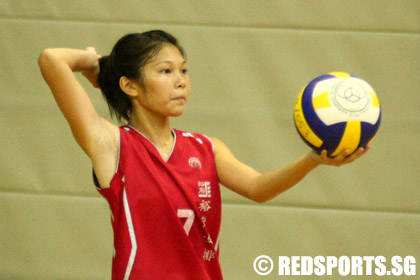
[[337, 111]]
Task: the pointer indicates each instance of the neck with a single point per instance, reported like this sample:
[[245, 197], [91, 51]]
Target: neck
[[156, 129]]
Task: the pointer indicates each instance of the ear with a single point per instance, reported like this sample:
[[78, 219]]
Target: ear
[[129, 86]]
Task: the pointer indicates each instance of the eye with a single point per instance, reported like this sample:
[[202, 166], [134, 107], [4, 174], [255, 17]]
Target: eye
[[166, 71], [184, 71]]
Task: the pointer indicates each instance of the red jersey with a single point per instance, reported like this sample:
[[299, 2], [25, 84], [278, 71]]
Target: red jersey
[[166, 215]]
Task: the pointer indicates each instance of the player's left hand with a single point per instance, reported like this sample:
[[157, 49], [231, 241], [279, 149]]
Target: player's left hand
[[342, 158]]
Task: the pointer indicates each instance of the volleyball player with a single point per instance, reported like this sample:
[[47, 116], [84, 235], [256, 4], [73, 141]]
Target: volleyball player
[[162, 184]]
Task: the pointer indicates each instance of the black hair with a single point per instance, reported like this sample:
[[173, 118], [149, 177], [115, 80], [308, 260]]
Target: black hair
[[128, 57]]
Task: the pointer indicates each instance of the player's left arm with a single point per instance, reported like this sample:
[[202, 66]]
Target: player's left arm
[[250, 183]]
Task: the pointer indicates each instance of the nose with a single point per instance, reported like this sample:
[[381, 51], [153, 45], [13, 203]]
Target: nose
[[181, 81]]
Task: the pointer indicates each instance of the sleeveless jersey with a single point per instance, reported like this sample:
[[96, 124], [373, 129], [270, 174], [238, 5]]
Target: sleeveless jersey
[[166, 215]]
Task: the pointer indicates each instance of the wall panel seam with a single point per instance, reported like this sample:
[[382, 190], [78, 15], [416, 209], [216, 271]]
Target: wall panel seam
[[57, 195], [236, 204], [212, 25], [326, 209]]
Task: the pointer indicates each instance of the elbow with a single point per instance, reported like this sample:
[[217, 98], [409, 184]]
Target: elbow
[[259, 197], [260, 200], [45, 57], [257, 192]]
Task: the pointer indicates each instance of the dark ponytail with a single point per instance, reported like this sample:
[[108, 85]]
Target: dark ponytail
[[128, 57], [119, 103]]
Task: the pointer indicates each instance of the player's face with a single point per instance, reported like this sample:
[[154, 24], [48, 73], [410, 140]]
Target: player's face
[[166, 82]]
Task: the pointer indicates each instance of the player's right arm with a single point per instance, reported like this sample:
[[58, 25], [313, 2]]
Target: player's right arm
[[98, 137]]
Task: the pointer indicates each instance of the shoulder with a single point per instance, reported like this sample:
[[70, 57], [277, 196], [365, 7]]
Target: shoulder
[[194, 138], [222, 153], [216, 144]]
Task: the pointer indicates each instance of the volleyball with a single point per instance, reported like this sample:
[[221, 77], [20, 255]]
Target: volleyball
[[337, 111]]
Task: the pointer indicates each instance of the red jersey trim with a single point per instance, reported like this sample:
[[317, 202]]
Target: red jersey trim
[[132, 236]]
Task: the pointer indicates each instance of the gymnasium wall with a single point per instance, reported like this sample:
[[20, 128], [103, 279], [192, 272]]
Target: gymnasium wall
[[247, 60]]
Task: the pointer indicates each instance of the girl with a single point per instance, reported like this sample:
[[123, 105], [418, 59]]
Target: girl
[[162, 184]]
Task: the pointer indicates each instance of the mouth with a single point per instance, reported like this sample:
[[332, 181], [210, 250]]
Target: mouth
[[179, 98]]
